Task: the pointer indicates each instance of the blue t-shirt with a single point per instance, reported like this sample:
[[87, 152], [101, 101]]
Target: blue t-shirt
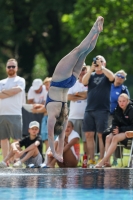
[[98, 97], [115, 93]]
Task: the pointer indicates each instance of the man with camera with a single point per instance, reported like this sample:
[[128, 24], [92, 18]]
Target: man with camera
[[99, 79]]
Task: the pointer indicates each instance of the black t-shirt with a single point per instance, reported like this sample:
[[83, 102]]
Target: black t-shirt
[[98, 97], [26, 142]]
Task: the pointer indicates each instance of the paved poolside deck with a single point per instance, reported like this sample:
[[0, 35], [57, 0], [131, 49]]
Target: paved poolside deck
[[68, 178]]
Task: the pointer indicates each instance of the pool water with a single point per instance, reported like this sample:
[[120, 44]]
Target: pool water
[[65, 194], [70, 184]]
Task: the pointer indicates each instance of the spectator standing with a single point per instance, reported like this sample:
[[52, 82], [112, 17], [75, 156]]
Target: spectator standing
[[36, 95], [11, 95], [39, 108], [77, 95], [37, 92], [98, 104], [117, 88]]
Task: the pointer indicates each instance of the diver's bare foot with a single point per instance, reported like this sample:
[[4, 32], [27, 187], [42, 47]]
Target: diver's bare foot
[[100, 164], [58, 157], [99, 23], [129, 134], [107, 164]]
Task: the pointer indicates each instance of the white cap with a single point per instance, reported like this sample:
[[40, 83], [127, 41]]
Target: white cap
[[37, 83], [34, 124]]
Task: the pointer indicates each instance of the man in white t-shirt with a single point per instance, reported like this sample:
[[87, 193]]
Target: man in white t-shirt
[[11, 98], [77, 96], [37, 92]]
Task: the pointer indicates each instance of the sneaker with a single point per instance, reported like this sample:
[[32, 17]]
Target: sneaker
[[3, 164], [31, 166], [91, 163], [43, 165], [115, 163], [17, 164]]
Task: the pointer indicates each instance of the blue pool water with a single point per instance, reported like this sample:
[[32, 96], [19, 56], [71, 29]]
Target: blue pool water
[[65, 194], [70, 184]]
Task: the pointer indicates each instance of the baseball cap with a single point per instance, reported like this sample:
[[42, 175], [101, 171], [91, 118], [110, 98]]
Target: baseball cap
[[34, 124], [37, 83]]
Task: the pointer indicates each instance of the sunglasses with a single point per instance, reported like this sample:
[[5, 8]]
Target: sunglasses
[[120, 76], [12, 66]]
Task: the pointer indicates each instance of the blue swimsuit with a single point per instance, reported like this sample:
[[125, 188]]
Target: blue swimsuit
[[67, 83]]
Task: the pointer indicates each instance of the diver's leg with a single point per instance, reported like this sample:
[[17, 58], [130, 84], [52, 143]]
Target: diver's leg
[[66, 65], [59, 153], [77, 68]]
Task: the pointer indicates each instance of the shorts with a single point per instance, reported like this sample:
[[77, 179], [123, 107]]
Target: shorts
[[44, 129], [110, 120], [10, 127], [78, 127], [34, 160], [95, 121]]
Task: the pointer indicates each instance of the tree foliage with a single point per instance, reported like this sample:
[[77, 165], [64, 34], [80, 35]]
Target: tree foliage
[[30, 27], [53, 28], [116, 41]]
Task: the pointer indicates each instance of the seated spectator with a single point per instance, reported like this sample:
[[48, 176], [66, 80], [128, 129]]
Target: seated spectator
[[77, 95], [71, 149], [32, 154], [36, 95], [121, 124]]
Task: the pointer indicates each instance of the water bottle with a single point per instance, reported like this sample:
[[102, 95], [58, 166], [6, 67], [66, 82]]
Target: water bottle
[[84, 165]]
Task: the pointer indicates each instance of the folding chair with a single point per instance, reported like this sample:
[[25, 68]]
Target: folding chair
[[130, 147], [130, 156]]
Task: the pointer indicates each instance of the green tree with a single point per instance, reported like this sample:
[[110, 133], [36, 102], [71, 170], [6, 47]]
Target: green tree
[[30, 27], [115, 42]]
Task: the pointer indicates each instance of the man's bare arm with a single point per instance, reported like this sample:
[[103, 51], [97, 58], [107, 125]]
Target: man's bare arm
[[108, 74], [3, 96], [30, 101], [32, 146], [82, 94], [72, 97], [11, 92], [86, 77], [39, 108]]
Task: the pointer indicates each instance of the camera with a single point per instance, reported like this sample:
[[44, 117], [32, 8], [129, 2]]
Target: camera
[[95, 59]]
